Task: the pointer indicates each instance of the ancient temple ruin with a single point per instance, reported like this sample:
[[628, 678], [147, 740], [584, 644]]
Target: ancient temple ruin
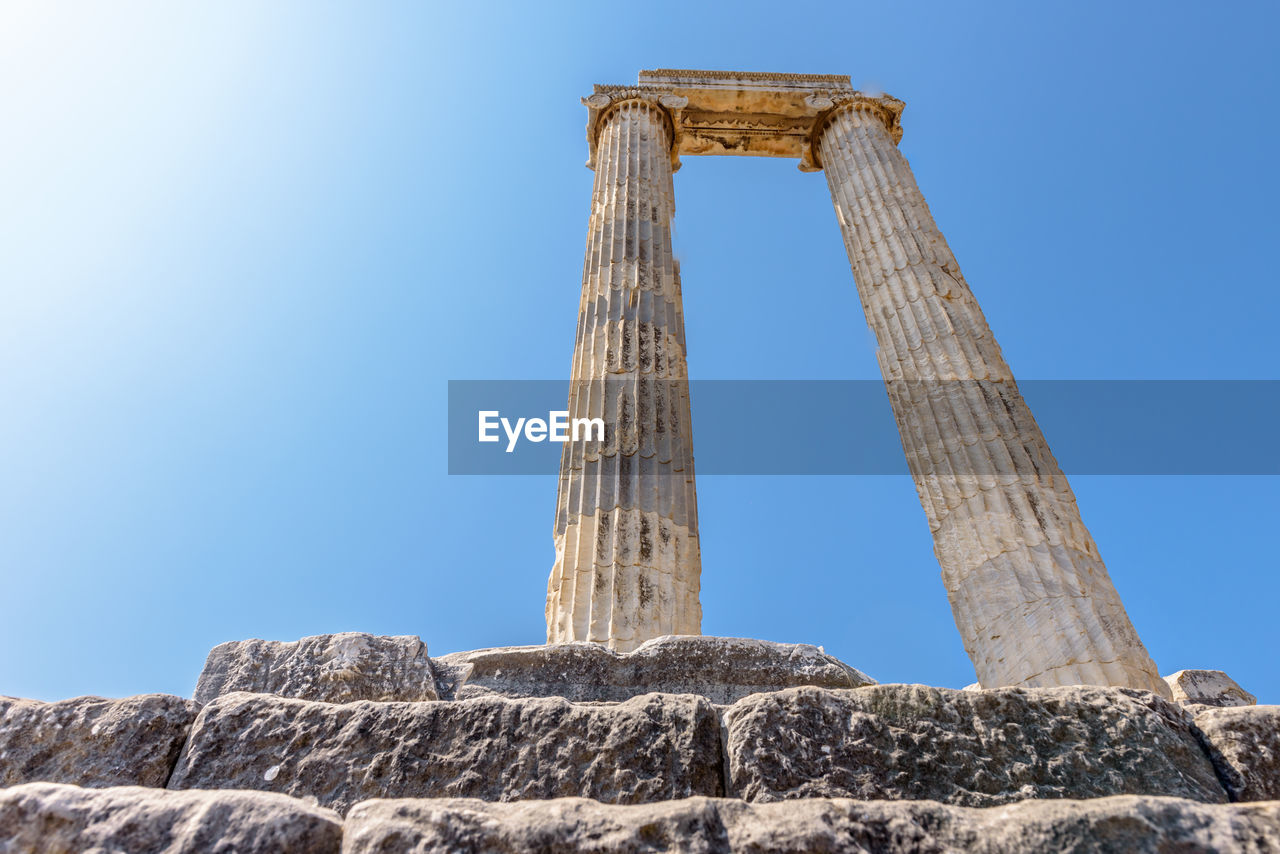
[[1029, 591], [648, 737]]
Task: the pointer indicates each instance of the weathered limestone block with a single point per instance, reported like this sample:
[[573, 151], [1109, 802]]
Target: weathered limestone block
[[40, 818], [1207, 688], [561, 826], [1122, 825], [1248, 741], [338, 668], [971, 748], [654, 747], [89, 741], [1125, 824], [724, 670]]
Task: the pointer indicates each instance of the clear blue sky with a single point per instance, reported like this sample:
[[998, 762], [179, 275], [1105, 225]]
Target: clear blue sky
[[243, 248]]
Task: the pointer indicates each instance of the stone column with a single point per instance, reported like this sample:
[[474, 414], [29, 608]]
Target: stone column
[[1030, 594], [626, 533]]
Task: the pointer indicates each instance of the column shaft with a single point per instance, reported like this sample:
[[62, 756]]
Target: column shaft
[[626, 533], [1029, 591]]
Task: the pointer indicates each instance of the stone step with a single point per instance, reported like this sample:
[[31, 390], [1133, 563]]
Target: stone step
[[337, 668], [650, 748], [353, 666], [973, 748], [724, 670], [1122, 825], [892, 742], [496, 725], [39, 818], [43, 817], [91, 741]]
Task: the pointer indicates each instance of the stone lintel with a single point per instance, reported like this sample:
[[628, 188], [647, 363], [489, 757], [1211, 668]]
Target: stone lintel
[[739, 113]]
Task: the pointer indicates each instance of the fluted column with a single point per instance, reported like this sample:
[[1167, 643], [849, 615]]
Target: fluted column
[[626, 533], [1030, 594]]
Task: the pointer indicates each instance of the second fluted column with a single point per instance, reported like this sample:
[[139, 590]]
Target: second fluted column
[[1030, 594]]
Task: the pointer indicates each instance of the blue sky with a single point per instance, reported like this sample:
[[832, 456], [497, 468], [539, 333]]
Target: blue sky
[[244, 247]]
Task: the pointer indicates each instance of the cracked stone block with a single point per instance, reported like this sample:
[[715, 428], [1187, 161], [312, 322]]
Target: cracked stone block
[[724, 670], [91, 741], [970, 748], [654, 747], [337, 668], [39, 818]]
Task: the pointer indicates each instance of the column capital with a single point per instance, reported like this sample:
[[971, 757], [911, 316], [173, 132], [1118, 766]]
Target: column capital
[[886, 108], [605, 101]]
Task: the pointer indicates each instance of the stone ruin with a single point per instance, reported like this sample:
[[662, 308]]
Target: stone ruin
[[1029, 591], [630, 732]]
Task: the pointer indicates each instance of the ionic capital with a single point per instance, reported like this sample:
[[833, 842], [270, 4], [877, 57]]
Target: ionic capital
[[886, 108], [606, 100]]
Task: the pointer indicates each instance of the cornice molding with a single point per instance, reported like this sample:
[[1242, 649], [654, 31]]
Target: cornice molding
[[762, 76]]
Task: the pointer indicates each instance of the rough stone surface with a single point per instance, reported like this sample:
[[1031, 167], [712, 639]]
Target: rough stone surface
[[972, 748], [1207, 688], [724, 670], [654, 747], [90, 741], [1247, 741], [337, 668], [48, 817], [1123, 825]]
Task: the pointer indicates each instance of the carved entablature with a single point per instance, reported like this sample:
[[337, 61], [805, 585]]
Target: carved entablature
[[742, 113]]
